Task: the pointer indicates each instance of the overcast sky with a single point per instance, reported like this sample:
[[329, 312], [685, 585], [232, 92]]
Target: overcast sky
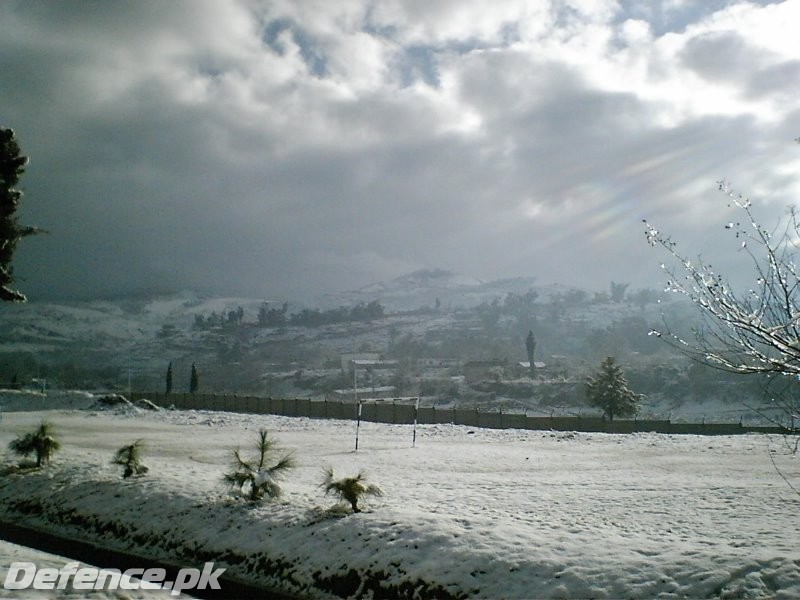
[[284, 148]]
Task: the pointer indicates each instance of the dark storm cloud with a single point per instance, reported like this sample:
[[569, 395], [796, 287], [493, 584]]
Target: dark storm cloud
[[283, 150]]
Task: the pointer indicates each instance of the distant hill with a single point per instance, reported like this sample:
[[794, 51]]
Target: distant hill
[[133, 339], [424, 287]]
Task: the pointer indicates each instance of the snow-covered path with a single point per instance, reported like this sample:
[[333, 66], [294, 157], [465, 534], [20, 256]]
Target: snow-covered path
[[482, 513]]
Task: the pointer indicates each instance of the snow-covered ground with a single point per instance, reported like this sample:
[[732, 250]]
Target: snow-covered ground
[[467, 512]]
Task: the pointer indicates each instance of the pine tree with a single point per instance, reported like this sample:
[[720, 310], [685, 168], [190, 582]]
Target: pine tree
[[255, 473], [608, 390], [12, 166], [194, 380]]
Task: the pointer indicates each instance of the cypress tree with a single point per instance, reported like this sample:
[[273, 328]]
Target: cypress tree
[[169, 378], [194, 380], [530, 346]]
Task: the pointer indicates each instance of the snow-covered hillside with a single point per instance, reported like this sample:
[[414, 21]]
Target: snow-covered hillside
[[466, 513]]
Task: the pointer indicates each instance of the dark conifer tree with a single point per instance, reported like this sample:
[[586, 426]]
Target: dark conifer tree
[[530, 346], [194, 380], [169, 378], [12, 166], [608, 390]]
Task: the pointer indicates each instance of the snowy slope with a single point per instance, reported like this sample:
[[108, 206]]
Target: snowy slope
[[467, 512]]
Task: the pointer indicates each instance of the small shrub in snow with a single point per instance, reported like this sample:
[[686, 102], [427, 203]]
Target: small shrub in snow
[[349, 489], [40, 442], [256, 476], [130, 457]]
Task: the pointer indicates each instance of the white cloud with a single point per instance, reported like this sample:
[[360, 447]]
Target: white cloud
[[456, 133]]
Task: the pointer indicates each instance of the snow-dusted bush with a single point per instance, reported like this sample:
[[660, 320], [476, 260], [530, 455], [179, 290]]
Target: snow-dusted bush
[[349, 489], [41, 442], [256, 475], [130, 457]]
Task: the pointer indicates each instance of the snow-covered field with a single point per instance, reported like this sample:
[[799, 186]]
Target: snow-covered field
[[467, 512]]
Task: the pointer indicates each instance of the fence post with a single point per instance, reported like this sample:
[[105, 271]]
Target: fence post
[[416, 410], [358, 424]]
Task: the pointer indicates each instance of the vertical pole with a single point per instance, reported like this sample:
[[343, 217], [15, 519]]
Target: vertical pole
[[358, 424], [416, 411]]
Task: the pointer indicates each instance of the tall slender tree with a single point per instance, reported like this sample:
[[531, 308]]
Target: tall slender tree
[[530, 346], [194, 380], [12, 166], [169, 378]]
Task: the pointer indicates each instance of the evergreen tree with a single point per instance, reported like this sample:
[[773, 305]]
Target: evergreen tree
[[256, 473], [194, 380], [530, 346], [169, 378], [12, 166], [608, 390]]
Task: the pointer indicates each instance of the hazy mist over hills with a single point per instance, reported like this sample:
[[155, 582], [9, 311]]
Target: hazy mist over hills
[[427, 325]]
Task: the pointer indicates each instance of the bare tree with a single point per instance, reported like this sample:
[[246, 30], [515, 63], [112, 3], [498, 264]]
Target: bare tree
[[755, 329]]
